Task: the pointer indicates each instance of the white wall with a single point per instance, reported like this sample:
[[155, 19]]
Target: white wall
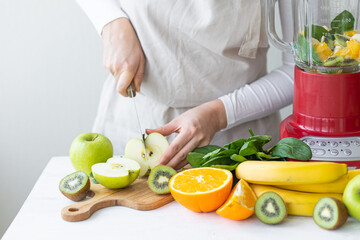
[[51, 75]]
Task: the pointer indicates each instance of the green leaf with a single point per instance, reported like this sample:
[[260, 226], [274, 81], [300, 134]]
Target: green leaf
[[236, 144], [94, 181], [228, 167], [317, 32], [213, 153], [218, 161], [343, 22], [303, 50], [262, 155], [91, 175], [206, 149], [292, 148], [249, 148], [238, 158], [195, 159]]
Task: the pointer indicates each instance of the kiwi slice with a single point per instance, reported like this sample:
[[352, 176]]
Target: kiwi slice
[[341, 39], [75, 186], [270, 208], [159, 178], [330, 213], [334, 61]]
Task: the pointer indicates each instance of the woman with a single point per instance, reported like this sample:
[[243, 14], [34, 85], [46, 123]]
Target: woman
[[200, 68]]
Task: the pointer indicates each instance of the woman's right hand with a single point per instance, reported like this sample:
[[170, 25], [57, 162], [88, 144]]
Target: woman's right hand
[[123, 55]]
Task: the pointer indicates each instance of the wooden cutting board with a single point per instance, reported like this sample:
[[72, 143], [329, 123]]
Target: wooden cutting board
[[137, 196]]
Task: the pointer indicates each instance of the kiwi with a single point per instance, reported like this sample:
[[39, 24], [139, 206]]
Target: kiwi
[[75, 186], [330, 213], [329, 42], [159, 178], [334, 61], [350, 62], [341, 40], [270, 208]]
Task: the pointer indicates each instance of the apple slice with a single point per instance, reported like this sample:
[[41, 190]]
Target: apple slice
[[155, 145], [117, 172]]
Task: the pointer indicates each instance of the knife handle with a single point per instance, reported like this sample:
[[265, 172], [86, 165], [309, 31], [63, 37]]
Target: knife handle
[[131, 90]]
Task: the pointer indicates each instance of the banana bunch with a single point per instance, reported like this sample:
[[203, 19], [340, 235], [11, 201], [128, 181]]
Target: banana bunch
[[300, 184]]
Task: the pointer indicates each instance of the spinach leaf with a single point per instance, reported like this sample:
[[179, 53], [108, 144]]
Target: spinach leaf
[[317, 32], [238, 158], [264, 156], [249, 148], [228, 167], [292, 148], [212, 153], [206, 149], [343, 22], [195, 159], [236, 144], [218, 161], [303, 50]]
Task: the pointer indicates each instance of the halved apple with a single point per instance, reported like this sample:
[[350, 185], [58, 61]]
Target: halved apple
[[117, 172], [155, 146]]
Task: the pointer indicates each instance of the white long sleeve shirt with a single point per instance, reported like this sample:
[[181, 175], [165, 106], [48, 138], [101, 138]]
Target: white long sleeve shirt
[[206, 23]]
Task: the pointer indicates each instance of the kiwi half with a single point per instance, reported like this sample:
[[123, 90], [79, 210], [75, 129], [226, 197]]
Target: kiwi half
[[330, 213], [75, 186], [159, 177], [270, 208]]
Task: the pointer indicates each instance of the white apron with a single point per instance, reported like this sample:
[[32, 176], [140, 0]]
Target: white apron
[[196, 51]]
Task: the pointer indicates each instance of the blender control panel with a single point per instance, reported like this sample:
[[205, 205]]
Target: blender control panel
[[335, 149]]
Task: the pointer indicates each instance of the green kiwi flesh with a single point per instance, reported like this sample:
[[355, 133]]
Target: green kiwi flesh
[[159, 177], [330, 213], [75, 186], [334, 61], [270, 208]]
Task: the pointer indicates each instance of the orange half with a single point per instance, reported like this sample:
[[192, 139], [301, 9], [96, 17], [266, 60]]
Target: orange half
[[201, 189], [240, 204]]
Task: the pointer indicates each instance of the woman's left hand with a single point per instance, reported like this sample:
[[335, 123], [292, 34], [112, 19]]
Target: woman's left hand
[[196, 128]]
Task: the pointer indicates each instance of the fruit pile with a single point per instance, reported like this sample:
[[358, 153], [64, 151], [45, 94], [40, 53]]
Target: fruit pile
[[336, 45], [275, 189]]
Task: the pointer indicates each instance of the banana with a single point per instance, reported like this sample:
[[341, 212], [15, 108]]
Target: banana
[[297, 203], [290, 173], [337, 186]]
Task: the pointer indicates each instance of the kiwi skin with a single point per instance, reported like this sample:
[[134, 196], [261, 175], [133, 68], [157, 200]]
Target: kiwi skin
[[79, 195], [165, 171], [341, 217]]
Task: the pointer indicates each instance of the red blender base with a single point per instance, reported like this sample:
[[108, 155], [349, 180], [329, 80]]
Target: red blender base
[[326, 116]]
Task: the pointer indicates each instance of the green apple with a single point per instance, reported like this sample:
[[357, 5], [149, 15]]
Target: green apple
[[155, 146], [117, 172], [88, 149], [351, 197]]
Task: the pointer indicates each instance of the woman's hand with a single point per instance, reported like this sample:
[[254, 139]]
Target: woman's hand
[[196, 128], [123, 55]]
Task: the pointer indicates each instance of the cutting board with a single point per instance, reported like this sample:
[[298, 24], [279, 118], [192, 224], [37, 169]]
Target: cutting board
[[137, 196]]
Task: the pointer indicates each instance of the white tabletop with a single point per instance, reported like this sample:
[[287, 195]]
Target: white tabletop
[[40, 218]]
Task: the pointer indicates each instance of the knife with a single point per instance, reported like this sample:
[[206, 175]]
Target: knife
[[132, 94]]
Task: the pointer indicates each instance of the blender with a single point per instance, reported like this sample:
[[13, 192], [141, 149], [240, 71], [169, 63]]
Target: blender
[[326, 102]]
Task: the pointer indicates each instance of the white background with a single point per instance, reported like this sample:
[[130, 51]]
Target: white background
[[51, 76]]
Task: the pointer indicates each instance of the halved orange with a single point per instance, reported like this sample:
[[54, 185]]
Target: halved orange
[[201, 189], [240, 204]]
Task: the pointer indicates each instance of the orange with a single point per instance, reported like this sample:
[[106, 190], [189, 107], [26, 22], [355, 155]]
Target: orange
[[350, 51], [240, 204], [201, 189], [350, 33], [323, 51]]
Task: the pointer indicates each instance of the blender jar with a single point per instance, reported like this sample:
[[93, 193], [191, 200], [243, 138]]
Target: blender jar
[[326, 35]]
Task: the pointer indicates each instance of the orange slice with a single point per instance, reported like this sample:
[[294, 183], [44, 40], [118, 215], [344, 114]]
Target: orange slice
[[240, 204], [201, 189]]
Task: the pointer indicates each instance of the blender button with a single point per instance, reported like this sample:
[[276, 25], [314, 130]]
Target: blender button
[[347, 152], [311, 143], [357, 143], [318, 152], [322, 144], [345, 144], [334, 152], [334, 144]]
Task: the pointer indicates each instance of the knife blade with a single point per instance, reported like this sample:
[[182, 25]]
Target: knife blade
[[132, 94]]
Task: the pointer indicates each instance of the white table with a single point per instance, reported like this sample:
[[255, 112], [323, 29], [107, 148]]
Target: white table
[[40, 218]]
